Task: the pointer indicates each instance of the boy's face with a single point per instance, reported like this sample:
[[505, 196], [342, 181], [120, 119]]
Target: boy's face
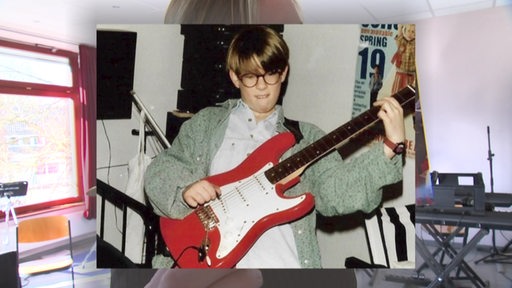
[[261, 98]]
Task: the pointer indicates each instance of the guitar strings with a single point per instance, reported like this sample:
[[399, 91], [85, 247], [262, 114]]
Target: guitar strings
[[238, 191], [238, 195]]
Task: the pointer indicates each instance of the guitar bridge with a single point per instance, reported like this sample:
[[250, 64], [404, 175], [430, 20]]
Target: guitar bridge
[[207, 217]]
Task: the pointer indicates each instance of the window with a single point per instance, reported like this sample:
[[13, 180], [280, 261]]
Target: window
[[24, 66], [40, 138]]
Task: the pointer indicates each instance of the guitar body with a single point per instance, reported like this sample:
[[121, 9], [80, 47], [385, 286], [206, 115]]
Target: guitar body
[[248, 206]]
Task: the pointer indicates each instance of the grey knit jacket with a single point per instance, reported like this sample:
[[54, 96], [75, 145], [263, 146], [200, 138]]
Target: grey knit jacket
[[339, 187]]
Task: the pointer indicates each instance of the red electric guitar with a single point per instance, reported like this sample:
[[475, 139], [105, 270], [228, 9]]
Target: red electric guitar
[[219, 233]]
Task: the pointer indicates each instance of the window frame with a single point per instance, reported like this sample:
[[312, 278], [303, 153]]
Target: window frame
[[46, 90]]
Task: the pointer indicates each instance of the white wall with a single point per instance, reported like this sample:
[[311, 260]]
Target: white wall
[[465, 83], [323, 60]]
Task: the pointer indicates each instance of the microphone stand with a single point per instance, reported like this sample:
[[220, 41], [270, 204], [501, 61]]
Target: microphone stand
[[494, 251], [150, 121], [489, 157]]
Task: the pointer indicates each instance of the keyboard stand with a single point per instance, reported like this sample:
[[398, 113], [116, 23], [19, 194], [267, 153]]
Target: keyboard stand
[[457, 257]]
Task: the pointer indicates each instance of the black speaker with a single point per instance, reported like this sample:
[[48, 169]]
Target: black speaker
[[116, 64]]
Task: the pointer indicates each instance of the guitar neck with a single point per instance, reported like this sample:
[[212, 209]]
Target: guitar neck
[[336, 138]]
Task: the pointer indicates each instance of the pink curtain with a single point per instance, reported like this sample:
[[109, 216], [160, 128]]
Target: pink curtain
[[88, 100]]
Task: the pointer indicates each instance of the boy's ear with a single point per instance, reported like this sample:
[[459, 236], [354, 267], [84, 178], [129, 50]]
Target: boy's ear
[[283, 75], [234, 78]]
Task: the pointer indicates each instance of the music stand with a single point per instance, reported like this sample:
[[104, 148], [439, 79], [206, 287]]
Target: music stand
[[8, 190]]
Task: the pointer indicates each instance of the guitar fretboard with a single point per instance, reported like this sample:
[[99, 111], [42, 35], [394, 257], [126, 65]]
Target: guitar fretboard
[[336, 138]]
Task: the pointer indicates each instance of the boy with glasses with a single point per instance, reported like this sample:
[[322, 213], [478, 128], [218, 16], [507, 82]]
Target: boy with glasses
[[218, 139]]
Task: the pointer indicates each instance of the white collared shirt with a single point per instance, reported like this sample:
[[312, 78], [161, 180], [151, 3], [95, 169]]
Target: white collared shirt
[[276, 247]]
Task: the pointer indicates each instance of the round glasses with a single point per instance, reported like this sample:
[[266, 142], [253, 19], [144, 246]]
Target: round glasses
[[250, 80]]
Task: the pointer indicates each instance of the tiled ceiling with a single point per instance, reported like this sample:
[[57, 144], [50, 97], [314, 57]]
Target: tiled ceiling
[[75, 21]]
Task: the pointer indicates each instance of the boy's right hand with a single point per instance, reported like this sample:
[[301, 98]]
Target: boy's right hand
[[200, 192]]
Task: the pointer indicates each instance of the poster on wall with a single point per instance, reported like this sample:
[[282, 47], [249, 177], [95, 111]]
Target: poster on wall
[[385, 64]]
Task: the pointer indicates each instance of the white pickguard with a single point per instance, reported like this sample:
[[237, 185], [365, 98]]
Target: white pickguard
[[242, 204]]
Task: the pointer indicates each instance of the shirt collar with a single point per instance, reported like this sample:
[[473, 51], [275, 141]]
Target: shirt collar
[[241, 107]]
